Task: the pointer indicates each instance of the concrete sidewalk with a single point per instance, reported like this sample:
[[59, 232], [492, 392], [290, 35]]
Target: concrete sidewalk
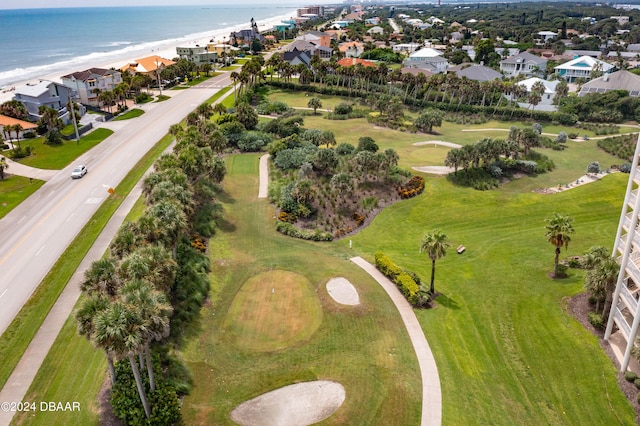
[[263, 189], [19, 169], [431, 392], [22, 376]]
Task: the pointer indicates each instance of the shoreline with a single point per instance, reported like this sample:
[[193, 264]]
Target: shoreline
[[117, 59]]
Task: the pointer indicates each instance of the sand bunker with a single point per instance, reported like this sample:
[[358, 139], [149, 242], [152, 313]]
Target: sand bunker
[[300, 404], [435, 170], [441, 143], [342, 291]]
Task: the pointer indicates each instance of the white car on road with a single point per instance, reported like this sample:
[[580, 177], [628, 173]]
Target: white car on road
[[78, 172]]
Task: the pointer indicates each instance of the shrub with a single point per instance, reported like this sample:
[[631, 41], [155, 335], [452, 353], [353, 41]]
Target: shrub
[[625, 168], [636, 382], [630, 376], [562, 272], [411, 188], [345, 149], [405, 282], [290, 230], [142, 98], [595, 319], [343, 108], [593, 167], [29, 135], [562, 137]]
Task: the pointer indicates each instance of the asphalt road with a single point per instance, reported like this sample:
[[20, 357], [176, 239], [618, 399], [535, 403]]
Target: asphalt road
[[36, 233]]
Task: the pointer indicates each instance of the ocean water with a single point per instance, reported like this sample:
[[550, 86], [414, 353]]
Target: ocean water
[[37, 42]]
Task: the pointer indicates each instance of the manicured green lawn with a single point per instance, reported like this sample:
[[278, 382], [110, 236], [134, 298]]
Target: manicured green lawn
[[14, 190], [506, 349], [132, 113], [365, 348], [57, 157]]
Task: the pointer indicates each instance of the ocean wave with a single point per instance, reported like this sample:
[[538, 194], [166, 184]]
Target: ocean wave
[[116, 43], [127, 52]]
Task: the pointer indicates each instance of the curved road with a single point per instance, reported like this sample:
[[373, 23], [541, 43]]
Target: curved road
[[35, 234]]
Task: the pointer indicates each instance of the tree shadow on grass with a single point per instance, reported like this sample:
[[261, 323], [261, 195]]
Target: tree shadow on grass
[[447, 302]]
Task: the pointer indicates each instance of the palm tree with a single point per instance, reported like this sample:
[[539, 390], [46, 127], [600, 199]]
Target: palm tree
[[558, 233], [314, 103], [85, 317], [154, 310], [3, 166], [219, 109], [101, 279], [435, 244], [117, 329]]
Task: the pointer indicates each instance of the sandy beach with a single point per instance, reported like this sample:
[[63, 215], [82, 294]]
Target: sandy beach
[[119, 59]]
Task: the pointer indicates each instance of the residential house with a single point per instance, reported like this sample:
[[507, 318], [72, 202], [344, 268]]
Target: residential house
[[246, 36], [475, 72], [89, 83], [406, 47], [573, 54], [198, 54], [523, 63], [350, 62], [416, 71], [619, 80], [319, 38], [546, 102], [456, 37], [545, 36], [296, 57], [582, 67], [621, 19], [10, 121], [310, 48], [375, 30], [45, 93], [151, 66], [633, 47], [372, 21], [351, 49], [427, 58]]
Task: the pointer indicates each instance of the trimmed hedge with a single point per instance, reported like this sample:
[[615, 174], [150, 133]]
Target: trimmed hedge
[[403, 280], [288, 229]]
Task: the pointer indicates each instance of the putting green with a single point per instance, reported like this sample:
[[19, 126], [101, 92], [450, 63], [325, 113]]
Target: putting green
[[273, 310]]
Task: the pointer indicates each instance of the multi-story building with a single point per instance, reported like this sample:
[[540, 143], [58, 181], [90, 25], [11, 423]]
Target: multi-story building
[[625, 309], [44, 93], [89, 83], [311, 10], [582, 67], [198, 54], [524, 63]]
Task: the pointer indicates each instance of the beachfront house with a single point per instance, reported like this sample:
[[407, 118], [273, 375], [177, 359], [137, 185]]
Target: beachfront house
[[6, 127], [524, 63], [89, 83], [198, 54], [151, 66], [582, 67], [45, 93]]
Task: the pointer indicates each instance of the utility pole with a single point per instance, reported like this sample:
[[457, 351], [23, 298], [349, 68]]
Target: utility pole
[[73, 117]]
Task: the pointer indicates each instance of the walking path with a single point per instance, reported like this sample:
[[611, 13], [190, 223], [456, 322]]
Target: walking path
[[23, 374], [441, 143], [263, 189], [431, 392], [19, 169]]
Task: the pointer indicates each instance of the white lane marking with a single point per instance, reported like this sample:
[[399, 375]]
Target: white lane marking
[[94, 190], [70, 216], [41, 248], [22, 219], [93, 200], [51, 193], [3, 293]]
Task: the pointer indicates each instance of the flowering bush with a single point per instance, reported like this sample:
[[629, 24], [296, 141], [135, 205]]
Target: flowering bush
[[413, 187], [198, 244]]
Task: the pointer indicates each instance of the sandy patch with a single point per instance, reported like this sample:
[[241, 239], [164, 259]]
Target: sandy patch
[[583, 180], [342, 291], [300, 404], [441, 143], [435, 170]]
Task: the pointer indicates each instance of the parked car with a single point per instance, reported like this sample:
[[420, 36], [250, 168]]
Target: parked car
[[78, 172]]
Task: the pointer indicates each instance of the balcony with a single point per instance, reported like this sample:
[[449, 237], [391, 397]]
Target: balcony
[[621, 322], [630, 298]]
